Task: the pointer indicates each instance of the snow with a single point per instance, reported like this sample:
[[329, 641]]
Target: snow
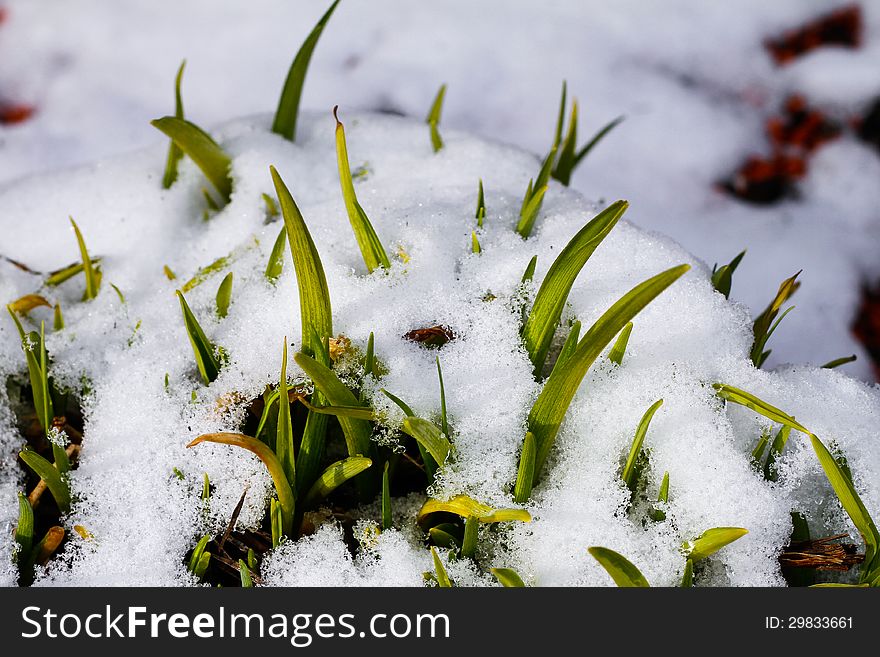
[[144, 520], [695, 85]]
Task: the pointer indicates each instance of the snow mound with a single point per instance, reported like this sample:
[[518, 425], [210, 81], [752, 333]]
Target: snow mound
[[143, 519]]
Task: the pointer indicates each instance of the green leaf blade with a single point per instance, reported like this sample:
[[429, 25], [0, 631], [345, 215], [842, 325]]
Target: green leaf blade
[[621, 569], [48, 473], [203, 350], [201, 149], [334, 476]]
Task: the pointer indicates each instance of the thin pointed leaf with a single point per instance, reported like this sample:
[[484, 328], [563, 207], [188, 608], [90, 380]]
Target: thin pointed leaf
[[433, 119], [722, 278], [560, 119], [273, 465], [687, 579], [530, 212], [465, 507], [197, 553], [334, 476], [174, 151], [743, 398], [763, 326], [224, 295], [245, 573], [761, 447], [566, 162], [481, 205], [443, 580], [550, 301], [48, 473], [550, 408], [508, 578], [712, 540], [852, 504], [287, 113], [24, 530], [203, 350], [371, 247], [526, 472], [284, 426], [444, 424], [202, 149], [619, 349], [206, 487], [275, 522], [599, 136], [92, 280], [569, 346], [65, 274], [443, 539], [629, 469], [386, 499], [621, 569], [469, 542], [57, 319], [399, 402], [529, 273], [429, 436], [837, 362], [475, 243]]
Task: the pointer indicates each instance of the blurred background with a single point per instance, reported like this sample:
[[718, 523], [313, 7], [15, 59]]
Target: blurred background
[[748, 124]]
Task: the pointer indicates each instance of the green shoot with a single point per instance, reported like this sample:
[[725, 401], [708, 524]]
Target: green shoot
[[569, 346], [207, 363], [276, 258], [202, 150], [93, 276], [386, 499], [284, 425], [246, 581], [837, 362], [288, 106], [469, 542], [433, 119], [631, 468], [367, 239], [481, 206], [370, 364], [444, 424], [198, 562], [55, 481], [24, 530], [854, 507], [465, 507], [765, 326], [526, 473], [743, 398], [429, 436], [276, 522], [550, 301], [442, 538], [760, 448], [170, 275], [534, 197], [66, 273], [174, 152], [475, 243], [402, 405], [619, 349], [38, 373], [427, 459], [722, 277], [508, 578], [224, 295], [621, 569], [552, 404], [529, 273], [443, 580], [271, 206], [251, 559], [658, 514], [712, 540], [206, 487], [687, 578], [334, 476], [273, 465]]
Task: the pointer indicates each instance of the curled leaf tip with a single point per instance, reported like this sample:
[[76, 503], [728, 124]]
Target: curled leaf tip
[[336, 114]]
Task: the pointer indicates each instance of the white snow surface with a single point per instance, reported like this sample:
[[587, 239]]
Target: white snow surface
[[692, 78], [144, 520]]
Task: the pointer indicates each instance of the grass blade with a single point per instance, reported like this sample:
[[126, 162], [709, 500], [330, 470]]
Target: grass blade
[[433, 119], [202, 149], [599, 136], [465, 507], [367, 239], [529, 273], [275, 522], [712, 540], [469, 542], [630, 469], [334, 476], [273, 465], [443, 580], [174, 151], [276, 258], [619, 349], [429, 436], [427, 459], [224, 295], [722, 277], [475, 243], [508, 578], [386, 499], [552, 404], [93, 280], [444, 424], [399, 402], [552, 296], [743, 398], [658, 514], [763, 327], [534, 196], [284, 426], [525, 475], [621, 569], [246, 581], [24, 530], [853, 505], [481, 206], [687, 578], [288, 105], [38, 373], [837, 362], [203, 350], [566, 161], [48, 473]]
